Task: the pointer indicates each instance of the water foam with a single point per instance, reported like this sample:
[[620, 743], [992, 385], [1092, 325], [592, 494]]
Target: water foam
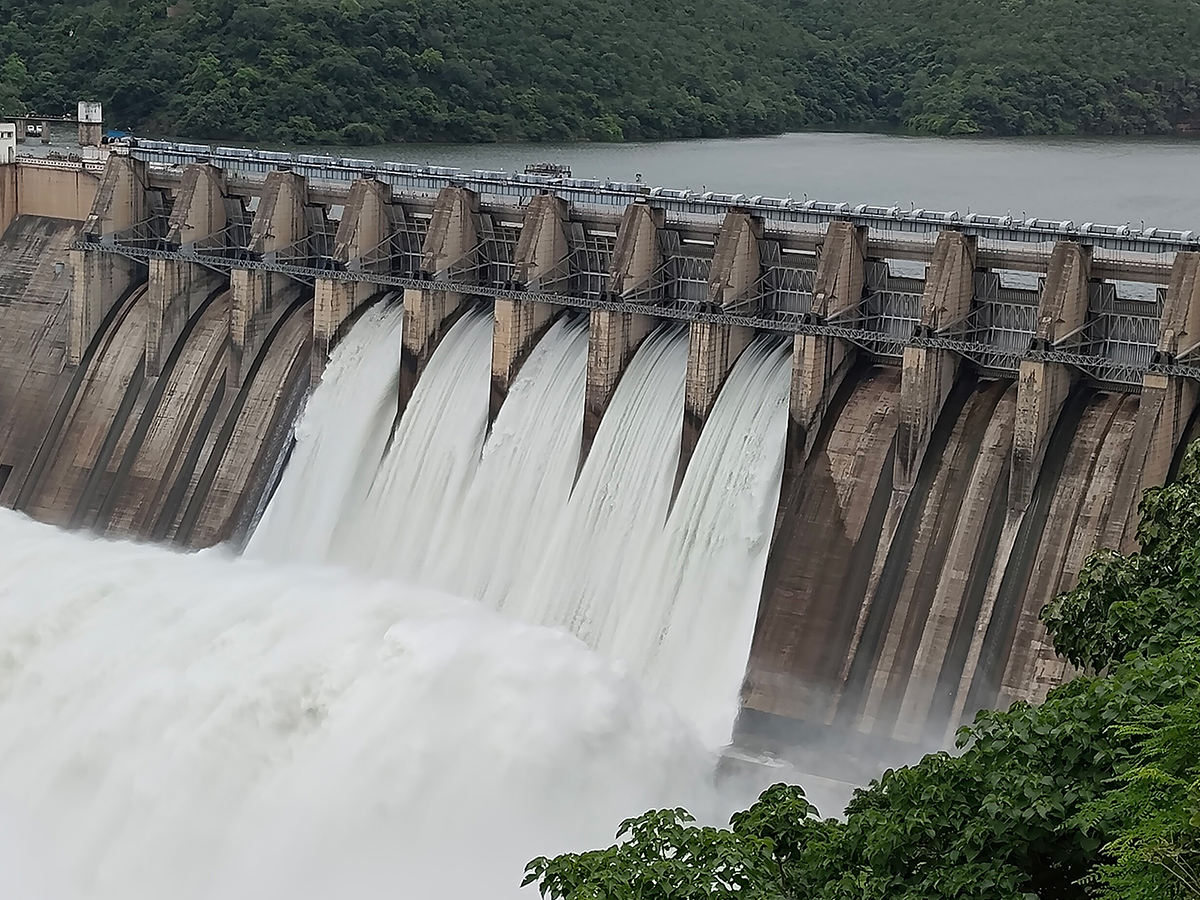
[[426, 472], [340, 439], [526, 473], [620, 501], [196, 726]]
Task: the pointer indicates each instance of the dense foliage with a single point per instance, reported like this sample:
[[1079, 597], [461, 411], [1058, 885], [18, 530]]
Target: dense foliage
[[1094, 793], [362, 71]]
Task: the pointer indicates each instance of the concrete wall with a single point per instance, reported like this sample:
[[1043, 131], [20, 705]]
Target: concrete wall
[[8, 196], [614, 336], [541, 261], [928, 374], [176, 288], [1043, 386], [59, 193], [713, 348], [1167, 403], [820, 363], [369, 219], [102, 278], [260, 297], [452, 245]]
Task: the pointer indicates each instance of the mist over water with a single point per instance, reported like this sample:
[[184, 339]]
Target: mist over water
[[317, 718], [198, 726]]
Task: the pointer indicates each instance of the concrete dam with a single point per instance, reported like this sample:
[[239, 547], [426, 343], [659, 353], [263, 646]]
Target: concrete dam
[[973, 404]]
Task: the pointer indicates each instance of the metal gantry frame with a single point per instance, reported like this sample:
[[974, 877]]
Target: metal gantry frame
[[883, 323]]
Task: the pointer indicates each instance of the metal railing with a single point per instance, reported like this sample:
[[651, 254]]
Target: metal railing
[[869, 325], [607, 193]]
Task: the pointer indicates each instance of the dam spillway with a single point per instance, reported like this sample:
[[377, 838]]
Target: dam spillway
[[973, 404]]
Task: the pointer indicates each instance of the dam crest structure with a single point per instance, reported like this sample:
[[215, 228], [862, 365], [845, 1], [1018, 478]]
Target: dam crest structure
[[976, 403]]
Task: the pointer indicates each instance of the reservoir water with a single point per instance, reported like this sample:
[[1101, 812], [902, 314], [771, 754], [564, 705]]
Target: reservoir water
[[1107, 180]]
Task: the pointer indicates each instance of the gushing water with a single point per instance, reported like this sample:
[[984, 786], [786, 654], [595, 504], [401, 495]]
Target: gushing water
[[340, 440], [427, 470], [195, 726], [689, 622], [525, 477], [674, 600], [620, 501]]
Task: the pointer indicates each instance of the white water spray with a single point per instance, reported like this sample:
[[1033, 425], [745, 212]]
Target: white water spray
[[620, 502], [195, 727], [674, 600], [428, 468], [689, 624], [525, 476], [340, 440]]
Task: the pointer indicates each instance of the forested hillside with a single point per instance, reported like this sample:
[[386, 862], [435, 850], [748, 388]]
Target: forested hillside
[[362, 71]]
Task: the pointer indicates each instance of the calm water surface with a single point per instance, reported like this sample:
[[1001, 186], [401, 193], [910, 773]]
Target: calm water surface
[[1112, 180]]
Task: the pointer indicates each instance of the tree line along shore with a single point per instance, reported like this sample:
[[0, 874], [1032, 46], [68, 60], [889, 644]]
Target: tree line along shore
[[371, 71]]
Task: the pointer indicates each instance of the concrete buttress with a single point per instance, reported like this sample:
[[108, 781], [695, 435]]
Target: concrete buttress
[[177, 288], [1167, 401], [713, 348], [8, 194], [451, 249], [541, 262], [1042, 386], [369, 220], [101, 279], [614, 336], [820, 363], [279, 230], [928, 374]]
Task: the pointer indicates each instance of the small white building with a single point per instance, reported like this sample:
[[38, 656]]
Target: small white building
[[8, 143], [91, 118]]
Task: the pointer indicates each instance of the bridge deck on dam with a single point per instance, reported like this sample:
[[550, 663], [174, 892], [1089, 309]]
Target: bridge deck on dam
[[975, 404]]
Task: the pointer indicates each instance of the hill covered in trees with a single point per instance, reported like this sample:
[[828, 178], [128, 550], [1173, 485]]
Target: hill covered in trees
[[362, 71]]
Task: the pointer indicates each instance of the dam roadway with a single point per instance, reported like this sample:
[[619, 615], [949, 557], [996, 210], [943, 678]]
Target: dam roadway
[[976, 403]]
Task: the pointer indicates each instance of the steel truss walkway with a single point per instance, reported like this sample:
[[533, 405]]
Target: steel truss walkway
[[884, 336]]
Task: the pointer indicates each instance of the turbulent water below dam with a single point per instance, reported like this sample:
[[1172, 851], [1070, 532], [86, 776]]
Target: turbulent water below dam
[[445, 649]]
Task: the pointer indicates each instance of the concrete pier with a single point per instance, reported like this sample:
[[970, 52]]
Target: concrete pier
[[280, 228], [1042, 386], [541, 262], [713, 348], [121, 203], [451, 247], [614, 336], [369, 219], [819, 363], [177, 287], [1167, 402], [928, 374]]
